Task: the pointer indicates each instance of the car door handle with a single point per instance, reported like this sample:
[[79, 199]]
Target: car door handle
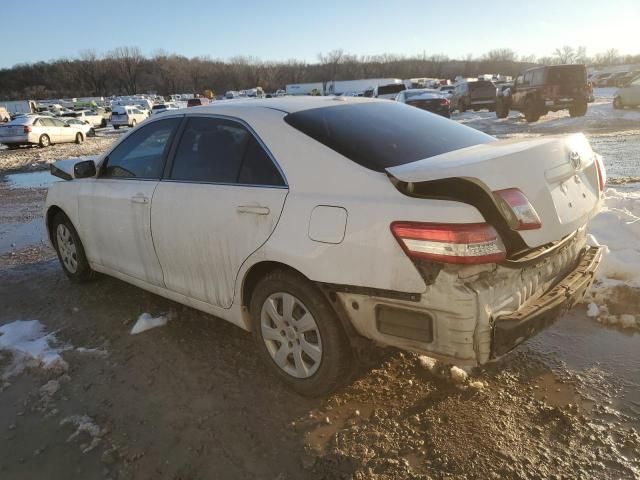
[[139, 199], [254, 209]]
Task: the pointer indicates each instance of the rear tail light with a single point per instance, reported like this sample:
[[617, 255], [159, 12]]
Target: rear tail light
[[466, 243], [444, 101], [600, 169], [27, 129], [517, 209]]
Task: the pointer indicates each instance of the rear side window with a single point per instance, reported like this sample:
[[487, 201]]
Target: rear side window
[[141, 154], [210, 150], [216, 150], [381, 135]]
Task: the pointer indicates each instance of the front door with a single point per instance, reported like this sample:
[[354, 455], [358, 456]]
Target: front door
[[221, 201], [115, 207]]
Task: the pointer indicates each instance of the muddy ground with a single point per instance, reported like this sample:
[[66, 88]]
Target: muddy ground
[[192, 400]]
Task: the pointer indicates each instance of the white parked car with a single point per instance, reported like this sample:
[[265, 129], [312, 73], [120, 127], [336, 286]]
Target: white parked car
[[86, 128], [163, 107], [39, 130], [88, 116], [320, 224], [126, 116]]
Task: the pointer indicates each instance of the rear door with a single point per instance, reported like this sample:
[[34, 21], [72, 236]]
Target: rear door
[[220, 201], [115, 207]]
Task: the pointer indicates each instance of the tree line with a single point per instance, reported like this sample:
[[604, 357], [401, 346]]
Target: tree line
[[125, 70]]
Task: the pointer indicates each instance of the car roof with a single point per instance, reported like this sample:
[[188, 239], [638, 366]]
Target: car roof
[[283, 104]]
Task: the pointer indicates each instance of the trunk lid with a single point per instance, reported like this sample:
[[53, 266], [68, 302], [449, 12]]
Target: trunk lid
[[557, 174]]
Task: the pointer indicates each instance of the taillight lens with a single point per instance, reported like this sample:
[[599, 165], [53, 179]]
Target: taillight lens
[[27, 129], [601, 172], [444, 101], [465, 243], [517, 209]]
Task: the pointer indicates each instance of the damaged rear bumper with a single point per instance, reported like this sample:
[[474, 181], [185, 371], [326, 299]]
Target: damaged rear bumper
[[511, 330]]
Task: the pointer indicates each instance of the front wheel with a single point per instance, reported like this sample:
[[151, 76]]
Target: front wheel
[[579, 109], [617, 103], [502, 110], [299, 335], [531, 111], [103, 123], [70, 250], [133, 124]]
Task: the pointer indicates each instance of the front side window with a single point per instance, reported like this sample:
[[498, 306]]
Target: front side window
[[216, 150], [142, 154]]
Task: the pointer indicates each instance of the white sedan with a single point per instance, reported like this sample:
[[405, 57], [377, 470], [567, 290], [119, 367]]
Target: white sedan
[[39, 130], [322, 224]]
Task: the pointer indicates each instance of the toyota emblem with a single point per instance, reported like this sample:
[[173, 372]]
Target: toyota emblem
[[575, 160]]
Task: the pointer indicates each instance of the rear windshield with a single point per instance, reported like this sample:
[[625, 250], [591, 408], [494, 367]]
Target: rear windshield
[[480, 84], [159, 107], [194, 101], [388, 89], [570, 74], [381, 135]]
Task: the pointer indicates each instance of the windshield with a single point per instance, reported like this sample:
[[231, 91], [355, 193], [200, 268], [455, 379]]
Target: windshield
[[379, 135]]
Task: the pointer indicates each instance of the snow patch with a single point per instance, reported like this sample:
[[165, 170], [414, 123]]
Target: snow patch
[[84, 424], [458, 375], [592, 310], [146, 322], [30, 346]]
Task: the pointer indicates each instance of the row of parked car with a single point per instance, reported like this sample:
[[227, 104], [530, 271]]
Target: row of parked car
[[534, 92], [614, 79]]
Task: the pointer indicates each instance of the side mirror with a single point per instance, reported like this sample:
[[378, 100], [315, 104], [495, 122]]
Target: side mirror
[[84, 169], [67, 125]]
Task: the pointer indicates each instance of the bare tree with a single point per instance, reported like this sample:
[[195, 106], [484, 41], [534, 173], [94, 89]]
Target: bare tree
[[127, 62]]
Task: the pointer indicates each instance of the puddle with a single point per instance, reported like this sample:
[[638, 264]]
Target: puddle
[[605, 359], [41, 179], [14, 236], [559, 394], [319, 437]]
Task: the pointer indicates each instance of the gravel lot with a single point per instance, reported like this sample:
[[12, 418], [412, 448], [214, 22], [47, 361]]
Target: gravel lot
[[192, 400]]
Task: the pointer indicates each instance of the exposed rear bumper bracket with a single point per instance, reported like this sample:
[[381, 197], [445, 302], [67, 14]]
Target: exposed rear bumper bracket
[[511, 330]]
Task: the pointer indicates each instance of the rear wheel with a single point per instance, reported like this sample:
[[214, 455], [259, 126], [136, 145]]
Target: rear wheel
[[70, 250], [44, 141], [531, 111], [133, 123], [579, 109], [103, 123], [116, 127], [79, 138], [299, 335], [617, 103], [13, 146]]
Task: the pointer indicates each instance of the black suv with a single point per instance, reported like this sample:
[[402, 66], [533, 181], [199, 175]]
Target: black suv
[[541, 90]]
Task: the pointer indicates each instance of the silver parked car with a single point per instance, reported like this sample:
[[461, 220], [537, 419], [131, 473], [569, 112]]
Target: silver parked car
[[39, 130]]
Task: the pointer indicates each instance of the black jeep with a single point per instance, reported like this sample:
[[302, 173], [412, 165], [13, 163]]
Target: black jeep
[[541, 90]]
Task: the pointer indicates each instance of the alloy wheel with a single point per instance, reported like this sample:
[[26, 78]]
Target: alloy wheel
[[291, 335], [67, 248]]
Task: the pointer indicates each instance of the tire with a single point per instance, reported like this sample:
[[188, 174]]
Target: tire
[[92, 133], [502, 110], [133, 124], [70, 250], [617, 103], [116, 127], [13, 146], [531, 111], [324, 335], [579, 109], [44, 141], [103, 123], [79, 138]]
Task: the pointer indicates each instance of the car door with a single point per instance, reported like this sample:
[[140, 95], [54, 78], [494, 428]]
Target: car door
[[115, 207], [218, 203], [633, 93], [65, 133]]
